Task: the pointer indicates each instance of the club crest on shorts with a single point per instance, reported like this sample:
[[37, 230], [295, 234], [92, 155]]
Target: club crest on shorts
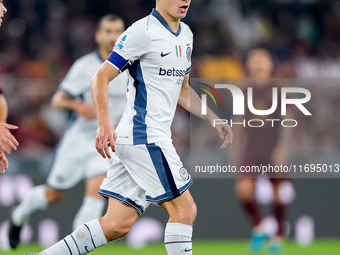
[[184, 174]]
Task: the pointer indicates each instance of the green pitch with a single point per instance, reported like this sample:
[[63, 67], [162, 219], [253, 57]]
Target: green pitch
[[319, 247]]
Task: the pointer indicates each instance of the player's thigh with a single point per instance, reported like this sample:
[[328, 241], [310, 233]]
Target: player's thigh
[[245, 188], [181, 209], [120, 186], [157, 169]]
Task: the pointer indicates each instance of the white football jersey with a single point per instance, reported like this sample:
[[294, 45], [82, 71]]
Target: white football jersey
[[157, 59], [77, 84]]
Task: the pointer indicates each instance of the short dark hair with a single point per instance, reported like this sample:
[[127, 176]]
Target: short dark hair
[[108, 17]]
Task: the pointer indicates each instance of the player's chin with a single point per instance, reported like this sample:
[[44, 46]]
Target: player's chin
[[181, 15]]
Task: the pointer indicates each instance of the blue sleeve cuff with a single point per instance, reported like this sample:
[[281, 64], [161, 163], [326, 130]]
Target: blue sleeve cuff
[[118, 61], [188, 70]]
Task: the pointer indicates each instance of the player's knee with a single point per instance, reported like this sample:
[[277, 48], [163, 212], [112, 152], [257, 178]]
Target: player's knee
[[245, 191], [192, 213], [187, 214], [277, 198], [245, 195], [118, 230], [53, 196]]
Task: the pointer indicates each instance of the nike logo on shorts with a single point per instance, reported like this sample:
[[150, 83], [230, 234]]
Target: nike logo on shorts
[[165, 54], [187, 250]]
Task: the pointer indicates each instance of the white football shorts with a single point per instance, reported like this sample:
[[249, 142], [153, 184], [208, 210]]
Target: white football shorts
[[76, 162], [145, 173]]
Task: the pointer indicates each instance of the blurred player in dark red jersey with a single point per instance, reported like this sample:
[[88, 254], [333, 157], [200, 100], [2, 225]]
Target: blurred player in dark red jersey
[[7, 140], [262, 146]]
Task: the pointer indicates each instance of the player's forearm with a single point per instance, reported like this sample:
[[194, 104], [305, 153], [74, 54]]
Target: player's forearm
[[190, 101], [99, 88], [62, 101], [3, 109]]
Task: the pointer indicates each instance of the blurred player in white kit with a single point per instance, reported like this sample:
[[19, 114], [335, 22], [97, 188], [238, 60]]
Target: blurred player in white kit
[[76, 159]]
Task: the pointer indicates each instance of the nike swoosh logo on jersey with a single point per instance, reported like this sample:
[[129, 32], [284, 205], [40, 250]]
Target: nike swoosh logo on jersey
[[86, 249], [187, 250], [165, 54]]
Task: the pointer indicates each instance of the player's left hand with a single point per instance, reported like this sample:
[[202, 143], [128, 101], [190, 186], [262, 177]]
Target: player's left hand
[[3, 163], [225, 132]]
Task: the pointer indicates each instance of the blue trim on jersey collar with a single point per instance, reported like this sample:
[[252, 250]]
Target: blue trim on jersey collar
[[164, 23]]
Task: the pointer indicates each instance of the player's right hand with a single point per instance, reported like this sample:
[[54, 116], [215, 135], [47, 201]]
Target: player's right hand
[[3, 163], [7, 140], [106, 137], [86, 111]]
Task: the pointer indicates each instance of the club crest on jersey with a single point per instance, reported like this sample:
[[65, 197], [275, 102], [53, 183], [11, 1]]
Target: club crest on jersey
[[184, 174], [189, 51], [178, 51], [122, 41]]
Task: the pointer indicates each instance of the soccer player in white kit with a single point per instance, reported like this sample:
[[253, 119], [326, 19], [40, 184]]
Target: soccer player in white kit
[[76, 158], [156, 52]]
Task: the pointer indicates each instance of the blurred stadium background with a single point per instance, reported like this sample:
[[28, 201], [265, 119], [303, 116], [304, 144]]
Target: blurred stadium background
[[39, 41]]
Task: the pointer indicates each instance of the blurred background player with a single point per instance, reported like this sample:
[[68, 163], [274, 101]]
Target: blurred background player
[[265, 145], [75, 157], [7, 140]]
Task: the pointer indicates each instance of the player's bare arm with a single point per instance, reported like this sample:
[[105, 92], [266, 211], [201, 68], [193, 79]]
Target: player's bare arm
[[106, 135], [61, 100], [3, 109], [190, 101]]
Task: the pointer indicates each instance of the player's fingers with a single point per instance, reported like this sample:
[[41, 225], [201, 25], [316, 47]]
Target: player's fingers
[[106, 144], [4, 147], [229, 133], [10, 126], [99, 147], [3, 163], [220, 131], [107, 150], [6, 164], [225, 143], [113, 142], [11, 142]]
